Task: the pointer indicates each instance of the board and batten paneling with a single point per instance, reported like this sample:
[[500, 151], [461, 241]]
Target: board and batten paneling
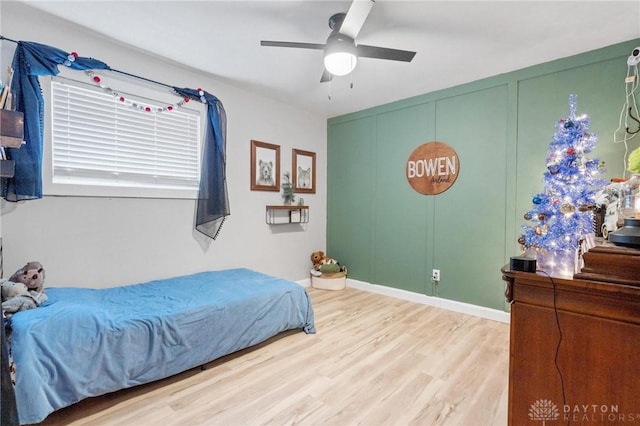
[[401, 214], [469, 217], [500, 127], [349, 196]]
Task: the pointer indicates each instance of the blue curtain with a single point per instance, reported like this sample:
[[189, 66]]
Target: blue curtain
[[213, 202], [31, 60], [34, 59]]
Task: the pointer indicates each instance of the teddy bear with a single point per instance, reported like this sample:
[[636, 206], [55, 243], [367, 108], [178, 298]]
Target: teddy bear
[[17, 297], [324, 264], [31, 275], [318, 258], [24, 289]]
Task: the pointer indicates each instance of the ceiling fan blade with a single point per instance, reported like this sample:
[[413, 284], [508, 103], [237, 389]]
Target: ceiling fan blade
[[357, 14], [326, 76], [365, 51], [292, 44]]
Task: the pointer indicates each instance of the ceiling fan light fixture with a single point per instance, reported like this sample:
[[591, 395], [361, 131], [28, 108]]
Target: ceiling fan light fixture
[[340, 54], [340, 63]]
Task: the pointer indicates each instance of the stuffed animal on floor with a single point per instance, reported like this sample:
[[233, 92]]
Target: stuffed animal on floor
[[323, 264], [318, 258], [31, 275], [17, 297]]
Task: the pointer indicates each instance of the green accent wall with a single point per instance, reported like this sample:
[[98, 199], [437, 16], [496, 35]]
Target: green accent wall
[[388, 234], [398, 215]]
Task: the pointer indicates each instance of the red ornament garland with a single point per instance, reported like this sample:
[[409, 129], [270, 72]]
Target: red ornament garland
[[98, 81]]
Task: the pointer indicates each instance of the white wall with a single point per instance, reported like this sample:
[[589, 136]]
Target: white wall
[[101, 242]]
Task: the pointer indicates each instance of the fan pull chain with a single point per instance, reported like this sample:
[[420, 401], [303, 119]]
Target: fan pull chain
[[353, 65]]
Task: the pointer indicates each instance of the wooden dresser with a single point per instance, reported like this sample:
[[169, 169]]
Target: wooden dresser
[[575, 343]]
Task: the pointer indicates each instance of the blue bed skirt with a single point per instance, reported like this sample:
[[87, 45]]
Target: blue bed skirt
[[88, 342]]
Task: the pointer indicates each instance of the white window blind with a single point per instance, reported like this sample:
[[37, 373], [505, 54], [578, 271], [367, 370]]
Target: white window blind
[[99, 140]]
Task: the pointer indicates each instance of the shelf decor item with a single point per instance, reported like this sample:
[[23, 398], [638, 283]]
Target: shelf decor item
[[287, 190], [561, 218], [295, 216]]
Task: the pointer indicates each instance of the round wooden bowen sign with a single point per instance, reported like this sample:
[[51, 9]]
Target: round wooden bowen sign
[[432, 168]]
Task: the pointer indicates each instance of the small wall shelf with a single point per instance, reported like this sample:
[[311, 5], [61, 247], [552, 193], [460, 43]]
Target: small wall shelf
[[281, 215]]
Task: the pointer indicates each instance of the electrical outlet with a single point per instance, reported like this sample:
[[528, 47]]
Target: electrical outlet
[[435, 275]]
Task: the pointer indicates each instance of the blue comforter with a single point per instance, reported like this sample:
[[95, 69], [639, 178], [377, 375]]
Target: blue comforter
[[88, 342]]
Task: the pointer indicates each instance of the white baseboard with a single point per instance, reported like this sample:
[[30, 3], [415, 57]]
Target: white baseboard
[[452, 305], [305, 283]]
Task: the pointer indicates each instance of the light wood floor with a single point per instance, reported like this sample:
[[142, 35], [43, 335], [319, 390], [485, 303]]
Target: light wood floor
[[375, 360]]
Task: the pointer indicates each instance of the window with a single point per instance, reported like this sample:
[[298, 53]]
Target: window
[[101, 138]]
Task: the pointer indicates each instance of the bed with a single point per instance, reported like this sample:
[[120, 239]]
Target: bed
[[87, 342]]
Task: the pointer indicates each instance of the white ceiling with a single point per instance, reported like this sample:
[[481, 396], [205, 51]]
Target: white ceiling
[[456, 41]]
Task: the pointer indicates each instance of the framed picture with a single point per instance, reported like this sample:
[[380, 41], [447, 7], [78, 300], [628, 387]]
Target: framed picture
[[265, 166], [304, 171]]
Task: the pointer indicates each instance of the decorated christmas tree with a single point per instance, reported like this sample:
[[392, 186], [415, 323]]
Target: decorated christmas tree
[[562, 215]]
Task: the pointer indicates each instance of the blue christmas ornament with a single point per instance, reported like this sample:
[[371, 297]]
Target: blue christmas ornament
[[537, 200], [569, 124]]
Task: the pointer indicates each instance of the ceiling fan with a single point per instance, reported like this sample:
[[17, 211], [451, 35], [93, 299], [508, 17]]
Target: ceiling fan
[[341, 51]]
